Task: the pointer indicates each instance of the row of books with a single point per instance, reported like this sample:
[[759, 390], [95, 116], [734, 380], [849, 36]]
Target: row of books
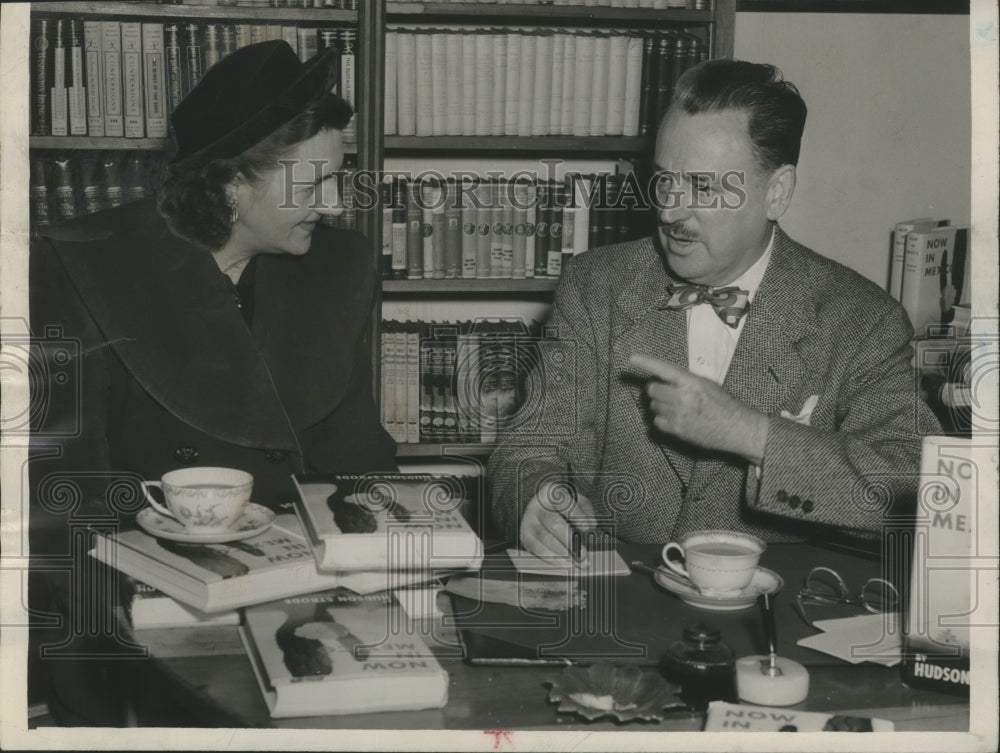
[[456, 381], [123, 78], [930, 273], [499, 229], [531, 82], [65, 185]]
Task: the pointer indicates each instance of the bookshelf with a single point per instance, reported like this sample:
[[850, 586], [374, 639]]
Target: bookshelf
[[713, 26], [452, 300]]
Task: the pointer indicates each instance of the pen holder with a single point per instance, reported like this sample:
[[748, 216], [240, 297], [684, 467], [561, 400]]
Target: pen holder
[[755, 684]]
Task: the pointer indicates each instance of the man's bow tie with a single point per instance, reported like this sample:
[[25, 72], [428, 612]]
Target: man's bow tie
[[729, 303]]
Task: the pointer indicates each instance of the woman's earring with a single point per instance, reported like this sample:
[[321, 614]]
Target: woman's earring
[[234, 210]]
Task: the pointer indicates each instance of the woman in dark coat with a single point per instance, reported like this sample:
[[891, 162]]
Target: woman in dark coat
[[224, 325]]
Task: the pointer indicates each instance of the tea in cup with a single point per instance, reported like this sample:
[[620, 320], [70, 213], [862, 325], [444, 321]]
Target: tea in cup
[[718, 563], [203, 500]]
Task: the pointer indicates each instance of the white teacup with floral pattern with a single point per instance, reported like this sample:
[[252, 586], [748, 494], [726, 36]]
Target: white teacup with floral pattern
[[204, 499]]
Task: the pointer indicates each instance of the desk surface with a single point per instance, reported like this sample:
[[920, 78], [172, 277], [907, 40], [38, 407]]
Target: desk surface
[[218, 688]]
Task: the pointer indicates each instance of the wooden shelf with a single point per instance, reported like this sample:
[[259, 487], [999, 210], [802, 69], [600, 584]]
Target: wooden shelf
[[519, 144], [112, 143], [197, 12], [532, 13], [431, 449], [506, 286]]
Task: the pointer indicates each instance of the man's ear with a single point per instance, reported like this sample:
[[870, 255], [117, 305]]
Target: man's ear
[[780, 188]]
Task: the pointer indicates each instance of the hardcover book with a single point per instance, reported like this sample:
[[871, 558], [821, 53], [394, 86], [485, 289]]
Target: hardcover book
[[150, 608], [899, 234], [335, 653], [219, 577], [925, 277], [391, 522]]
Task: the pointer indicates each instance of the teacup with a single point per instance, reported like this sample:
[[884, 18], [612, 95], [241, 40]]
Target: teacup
[[718, 563], [206, 500]]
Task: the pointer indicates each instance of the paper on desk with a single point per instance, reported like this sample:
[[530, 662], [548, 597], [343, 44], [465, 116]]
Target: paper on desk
[[599, 562], [868, 637]]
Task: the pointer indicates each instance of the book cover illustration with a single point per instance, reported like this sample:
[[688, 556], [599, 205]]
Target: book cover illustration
[[387, 521], [336, 652], [732, 717]]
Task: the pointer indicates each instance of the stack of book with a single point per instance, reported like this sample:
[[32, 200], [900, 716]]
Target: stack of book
[[930, 275], [68, 185], [531, 81], [461, 381], [124, 78], [439, 228]]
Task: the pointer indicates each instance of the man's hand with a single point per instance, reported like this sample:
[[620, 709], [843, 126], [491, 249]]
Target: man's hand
[[699, 411], [549, 519]]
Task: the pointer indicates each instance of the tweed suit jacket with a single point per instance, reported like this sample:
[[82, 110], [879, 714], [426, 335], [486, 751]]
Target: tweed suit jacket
[[815, 328]]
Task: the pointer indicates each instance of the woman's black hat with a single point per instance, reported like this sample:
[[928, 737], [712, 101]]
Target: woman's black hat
[[246, 96]]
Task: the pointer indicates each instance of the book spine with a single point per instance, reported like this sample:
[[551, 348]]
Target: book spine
[[617, 85], [542, 229], [632, 87], [307, 42], [390, 93], [398, 229], [58, 93], [453, 237], [581, 216], [76, 89], [62, 180], [526, 91], [438, 245], [499, 88], [412, 339], [242, 35], [544, 72], [92, 65], [529, 236], [406, 84], [154, 80], [348, 79], [453, 84], [192, 58], [386, 191], [387, 405], [111, 44], [439, 82], [400, 383], [449, 358], [212, 44], [484, 229], [599, 85], [42, 77], [522, 197], [426, 386], [425, 78], [647, 96], [568, 221], [496, 232], [507, 232], [484, 84], [132, 79], [583, 88], [556, 97], [111, 179], [414, 234], [38, 194], [568, 104], [469, 78], [227, 40], [175, 69], [289, 35], [553, 266], [468, 238], [428, 195], [512, 75]]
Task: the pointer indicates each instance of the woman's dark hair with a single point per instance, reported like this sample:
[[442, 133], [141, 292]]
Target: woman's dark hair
[[776, 111], [193, 200]]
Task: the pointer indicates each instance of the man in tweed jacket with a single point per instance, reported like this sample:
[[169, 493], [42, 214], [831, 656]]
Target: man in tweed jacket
[[809, 425]]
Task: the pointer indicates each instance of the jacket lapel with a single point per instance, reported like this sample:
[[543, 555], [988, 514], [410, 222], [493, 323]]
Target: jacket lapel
[[771, 356], [642, 325]]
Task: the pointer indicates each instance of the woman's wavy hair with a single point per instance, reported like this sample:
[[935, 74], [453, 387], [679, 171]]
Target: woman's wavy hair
[[193, 200]]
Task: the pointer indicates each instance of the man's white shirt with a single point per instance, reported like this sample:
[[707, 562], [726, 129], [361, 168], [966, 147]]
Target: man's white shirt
[[712, 342]]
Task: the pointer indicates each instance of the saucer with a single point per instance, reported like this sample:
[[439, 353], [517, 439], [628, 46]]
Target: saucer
[[764, 581], [254, 520]]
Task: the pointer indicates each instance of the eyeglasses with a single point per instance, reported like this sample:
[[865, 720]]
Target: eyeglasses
[[824, 586]]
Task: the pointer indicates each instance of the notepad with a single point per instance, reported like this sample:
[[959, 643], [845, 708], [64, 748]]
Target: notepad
[[868, 637]]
